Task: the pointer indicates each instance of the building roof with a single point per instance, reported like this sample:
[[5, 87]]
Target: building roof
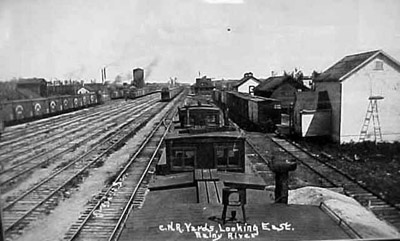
[[27, 93], [245, 78], [90, 89], [272, 83], [32, 81], [350, 64], [254, 98]]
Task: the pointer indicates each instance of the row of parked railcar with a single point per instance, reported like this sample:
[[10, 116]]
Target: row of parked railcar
[[131, 93], [22, 110], [168, 94], [250, 112]]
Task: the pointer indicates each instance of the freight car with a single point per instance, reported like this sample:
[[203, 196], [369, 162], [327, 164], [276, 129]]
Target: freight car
[[168, 94], [214, 150], [250, 112], [135, 93], [118, 93], [24, 110]]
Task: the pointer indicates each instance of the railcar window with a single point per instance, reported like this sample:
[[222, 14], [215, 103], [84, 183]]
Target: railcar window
[[212, 119], [183, 159], [227, 155]]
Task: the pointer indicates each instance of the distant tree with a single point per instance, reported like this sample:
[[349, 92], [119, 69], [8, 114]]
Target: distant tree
[[315, 74]]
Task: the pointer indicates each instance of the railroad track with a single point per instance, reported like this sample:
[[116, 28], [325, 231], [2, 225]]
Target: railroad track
[[106, 215], [41, 198], [10, 174], [382, 208]]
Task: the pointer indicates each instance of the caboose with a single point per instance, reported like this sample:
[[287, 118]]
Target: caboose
[[214, 150]]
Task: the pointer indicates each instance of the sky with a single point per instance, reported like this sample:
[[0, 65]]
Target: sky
[[74, 39]]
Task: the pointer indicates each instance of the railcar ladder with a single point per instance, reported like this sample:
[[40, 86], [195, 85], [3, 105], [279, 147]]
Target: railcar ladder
[[372, 112]]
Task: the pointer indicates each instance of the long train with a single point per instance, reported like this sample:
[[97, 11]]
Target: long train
[[131, 93], [250, 112], [24, 110]]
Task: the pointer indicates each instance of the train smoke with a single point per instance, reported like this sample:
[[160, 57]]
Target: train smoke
[[149, 68]]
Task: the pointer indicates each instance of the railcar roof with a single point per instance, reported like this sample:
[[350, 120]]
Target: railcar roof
[[221, 134], [202, 107], [253, 97]]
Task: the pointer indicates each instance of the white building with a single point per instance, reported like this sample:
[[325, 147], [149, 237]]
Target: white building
[[247, 84], [354, 82], [84, 90]]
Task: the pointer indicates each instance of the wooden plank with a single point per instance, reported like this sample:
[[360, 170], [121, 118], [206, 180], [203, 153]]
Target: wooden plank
[[202, 192], [206, 174], [171, 181], [240, 180], [198, 174], [219, 186], [212, 193], [214, 174]]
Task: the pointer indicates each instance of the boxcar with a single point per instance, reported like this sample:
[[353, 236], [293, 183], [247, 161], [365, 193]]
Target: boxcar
[[68, 102], [222, 150], [55, 104], [40, 107], [85, 99], [21, 109], [251, 112], [168, 94]]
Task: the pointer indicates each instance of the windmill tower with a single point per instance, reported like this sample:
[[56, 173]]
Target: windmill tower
[[372, 113]]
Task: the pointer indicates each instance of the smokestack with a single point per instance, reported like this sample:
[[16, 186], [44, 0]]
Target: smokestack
[[105, 76], [133, 77], [102, 76]]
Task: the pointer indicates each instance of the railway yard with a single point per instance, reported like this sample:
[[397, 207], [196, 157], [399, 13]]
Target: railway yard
[[89, 174]]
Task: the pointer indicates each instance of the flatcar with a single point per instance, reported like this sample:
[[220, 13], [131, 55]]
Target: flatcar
[[24, 110], [168, 94], [250, 112]]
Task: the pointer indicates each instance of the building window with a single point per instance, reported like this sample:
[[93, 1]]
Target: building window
[[378, 65], [251, 89], [183, 159], [227, 155]]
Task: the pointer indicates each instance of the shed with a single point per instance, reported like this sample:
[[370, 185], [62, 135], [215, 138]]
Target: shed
[[312, 114], [38, 86], [355, 84]]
